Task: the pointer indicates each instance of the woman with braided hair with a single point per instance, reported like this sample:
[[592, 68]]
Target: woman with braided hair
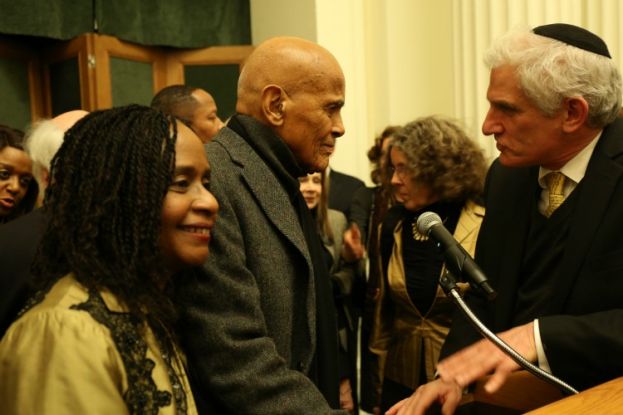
[[130, 212]]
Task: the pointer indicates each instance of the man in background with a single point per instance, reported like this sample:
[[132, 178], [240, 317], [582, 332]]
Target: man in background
[[342, 187], [193, 106]]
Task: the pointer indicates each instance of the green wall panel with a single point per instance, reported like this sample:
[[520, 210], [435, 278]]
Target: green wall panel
[[65, 86], [132, 82], [15, 107], [221, 81]]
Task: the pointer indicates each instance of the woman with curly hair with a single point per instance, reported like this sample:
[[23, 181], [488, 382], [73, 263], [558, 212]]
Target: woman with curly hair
[[18, 190], [130, 212], [434, 166]]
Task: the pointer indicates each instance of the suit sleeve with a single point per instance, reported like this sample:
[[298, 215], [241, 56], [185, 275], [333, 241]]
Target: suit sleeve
[[584, 350], [233, 361]]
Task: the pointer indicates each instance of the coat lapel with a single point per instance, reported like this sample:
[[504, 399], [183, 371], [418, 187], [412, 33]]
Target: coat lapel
[[517, 201], [598, 185], [270, 195]]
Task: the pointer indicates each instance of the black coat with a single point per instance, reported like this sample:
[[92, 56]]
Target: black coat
[[581, 325], [342, 187], [18, 245]]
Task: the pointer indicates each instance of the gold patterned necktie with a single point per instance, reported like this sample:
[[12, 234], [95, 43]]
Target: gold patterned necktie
[[555, 182]]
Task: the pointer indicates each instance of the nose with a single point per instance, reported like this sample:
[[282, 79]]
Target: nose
[[206, 203], [491, 125], [395, 180], [338, 129], [219, 123], [304, 187], [13, 185]]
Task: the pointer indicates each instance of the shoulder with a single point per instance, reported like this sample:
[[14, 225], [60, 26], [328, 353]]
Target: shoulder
[[503, 180], [54, 327], [226, 145], [611, 141]]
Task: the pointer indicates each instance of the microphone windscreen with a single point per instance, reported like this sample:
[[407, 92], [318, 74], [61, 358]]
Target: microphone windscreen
[[426, 221]]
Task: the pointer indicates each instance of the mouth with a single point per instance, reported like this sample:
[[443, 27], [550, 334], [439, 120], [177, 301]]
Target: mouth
[[201, 232], [8, 203], [329, 147]]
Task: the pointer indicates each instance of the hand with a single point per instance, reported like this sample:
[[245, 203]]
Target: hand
[[353, 249], [448, 394], [484, 357], [346, 396]]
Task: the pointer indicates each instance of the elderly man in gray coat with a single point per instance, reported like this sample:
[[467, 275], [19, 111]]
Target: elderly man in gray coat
[[259, 325]]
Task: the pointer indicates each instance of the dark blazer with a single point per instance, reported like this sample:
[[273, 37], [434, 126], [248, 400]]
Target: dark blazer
[[248, 325], [342, 187], [582, 327], [18, 245]]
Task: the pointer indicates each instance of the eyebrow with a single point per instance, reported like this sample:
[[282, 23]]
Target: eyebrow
[[189, 169]]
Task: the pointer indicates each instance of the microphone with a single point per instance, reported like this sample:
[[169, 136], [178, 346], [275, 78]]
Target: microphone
[[458, 261]]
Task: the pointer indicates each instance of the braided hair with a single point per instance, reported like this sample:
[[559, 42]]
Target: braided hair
[[107, 185]]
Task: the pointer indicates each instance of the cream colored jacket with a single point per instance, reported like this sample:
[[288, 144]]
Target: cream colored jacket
[[401, 336]]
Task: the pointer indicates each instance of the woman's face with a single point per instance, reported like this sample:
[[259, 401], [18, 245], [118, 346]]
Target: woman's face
[[311, 187], [15, 177], [189, 209], [413, 195]]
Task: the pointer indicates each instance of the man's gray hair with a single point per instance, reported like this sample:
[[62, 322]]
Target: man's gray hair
[[43, 140], [550, 71]]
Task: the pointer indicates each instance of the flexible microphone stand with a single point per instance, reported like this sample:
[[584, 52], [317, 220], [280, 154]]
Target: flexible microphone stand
[[448, 284]]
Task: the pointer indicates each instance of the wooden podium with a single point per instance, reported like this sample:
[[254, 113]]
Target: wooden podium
[[606, 399], [523, 393]]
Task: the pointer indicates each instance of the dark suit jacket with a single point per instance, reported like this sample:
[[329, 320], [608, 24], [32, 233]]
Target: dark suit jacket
[[342, 187], [582, 327], [249, 325], [18, 244]]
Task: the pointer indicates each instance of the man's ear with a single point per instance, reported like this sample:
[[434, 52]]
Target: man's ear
[[576, 113], [273, 104]]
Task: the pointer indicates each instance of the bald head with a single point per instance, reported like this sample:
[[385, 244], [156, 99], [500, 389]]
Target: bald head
[[296, 88], [67, 119], [288, 62]]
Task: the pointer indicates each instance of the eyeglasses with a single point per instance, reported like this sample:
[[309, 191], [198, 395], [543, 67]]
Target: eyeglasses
[[401, 171]]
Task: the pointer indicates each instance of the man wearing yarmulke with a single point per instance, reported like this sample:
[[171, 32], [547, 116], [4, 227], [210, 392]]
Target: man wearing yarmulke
[[551, 241]]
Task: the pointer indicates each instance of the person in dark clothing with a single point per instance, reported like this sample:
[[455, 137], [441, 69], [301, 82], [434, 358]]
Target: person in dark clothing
[[331, 225], [259, 327], [368, 208], [550, 242], [342, 187], [195, 107], [20, 237]]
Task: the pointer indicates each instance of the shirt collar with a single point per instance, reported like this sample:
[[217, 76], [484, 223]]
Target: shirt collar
[[574, 169]]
